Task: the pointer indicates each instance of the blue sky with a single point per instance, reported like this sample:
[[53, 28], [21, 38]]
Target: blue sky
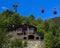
[[27, 7]]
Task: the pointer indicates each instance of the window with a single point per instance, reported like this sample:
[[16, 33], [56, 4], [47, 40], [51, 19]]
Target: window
[[31, 30], [19, 30], [25, 38], [37, 38]]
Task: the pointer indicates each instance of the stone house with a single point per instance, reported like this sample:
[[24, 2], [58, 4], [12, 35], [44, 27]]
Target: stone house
[[26, 32]]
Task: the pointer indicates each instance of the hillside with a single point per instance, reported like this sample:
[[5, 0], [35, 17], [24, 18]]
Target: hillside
[[56, 20]]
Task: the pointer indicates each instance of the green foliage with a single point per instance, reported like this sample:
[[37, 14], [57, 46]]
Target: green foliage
[[8, 18], [14, 20], [56, 21], [3, 38], [31, 19], [58, 38], [52, 36], [18, 43], [49, 29], [40, 29], [25, 44], [48, 41]]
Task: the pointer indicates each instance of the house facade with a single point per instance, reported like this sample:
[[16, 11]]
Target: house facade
[[26, 32]]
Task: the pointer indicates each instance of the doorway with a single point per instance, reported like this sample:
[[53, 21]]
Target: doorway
[[31, 37]]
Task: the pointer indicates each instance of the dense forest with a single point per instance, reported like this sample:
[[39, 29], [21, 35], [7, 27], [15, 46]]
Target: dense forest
[[49, 29]]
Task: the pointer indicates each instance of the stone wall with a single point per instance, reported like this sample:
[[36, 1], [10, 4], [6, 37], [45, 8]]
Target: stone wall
[[35, 44]]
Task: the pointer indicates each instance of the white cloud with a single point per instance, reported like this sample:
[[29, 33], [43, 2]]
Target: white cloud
[[4, 8]]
